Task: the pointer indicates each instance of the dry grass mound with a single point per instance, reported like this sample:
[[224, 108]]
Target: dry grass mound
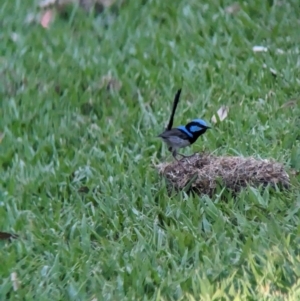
[[202, 173]]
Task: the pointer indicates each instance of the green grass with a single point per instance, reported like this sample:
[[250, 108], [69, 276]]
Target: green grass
[[126, 239]]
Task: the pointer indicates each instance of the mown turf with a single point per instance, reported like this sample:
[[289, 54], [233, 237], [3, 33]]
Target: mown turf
[[77, 178]]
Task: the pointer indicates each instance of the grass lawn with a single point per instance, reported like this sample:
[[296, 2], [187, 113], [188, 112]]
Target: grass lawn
[[78, 183]]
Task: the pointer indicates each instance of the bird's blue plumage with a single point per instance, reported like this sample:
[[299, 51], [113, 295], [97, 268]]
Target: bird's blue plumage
[[184, 130], [195, 128], [200, 122]]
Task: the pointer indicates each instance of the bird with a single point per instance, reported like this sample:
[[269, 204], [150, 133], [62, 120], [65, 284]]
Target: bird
[[182, 136]]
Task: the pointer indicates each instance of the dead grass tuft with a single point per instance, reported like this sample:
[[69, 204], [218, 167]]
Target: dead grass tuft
[[202, 173]]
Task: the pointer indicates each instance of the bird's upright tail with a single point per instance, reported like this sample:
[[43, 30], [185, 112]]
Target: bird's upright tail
[[175, 103]]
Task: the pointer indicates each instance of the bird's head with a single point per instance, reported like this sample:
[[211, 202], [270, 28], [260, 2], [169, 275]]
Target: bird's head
[[197, 125], [194, 129]]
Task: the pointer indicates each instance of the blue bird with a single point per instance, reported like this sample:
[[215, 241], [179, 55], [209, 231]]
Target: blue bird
[[183, 136]]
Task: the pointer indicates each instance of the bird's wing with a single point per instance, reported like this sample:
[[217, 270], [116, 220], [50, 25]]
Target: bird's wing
[[174, 132]]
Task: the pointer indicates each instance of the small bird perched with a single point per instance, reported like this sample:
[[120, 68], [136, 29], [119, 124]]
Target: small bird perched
[[182, 136]]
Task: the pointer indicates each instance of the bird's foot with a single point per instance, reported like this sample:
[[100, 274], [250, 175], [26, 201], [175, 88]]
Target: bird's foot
[[175, 157], [186, 157], [175, 154]]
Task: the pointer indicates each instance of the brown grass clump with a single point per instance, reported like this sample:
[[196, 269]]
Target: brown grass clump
[[202, 173]]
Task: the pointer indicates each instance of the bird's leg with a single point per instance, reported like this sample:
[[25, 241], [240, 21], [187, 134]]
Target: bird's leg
[[174, 153]]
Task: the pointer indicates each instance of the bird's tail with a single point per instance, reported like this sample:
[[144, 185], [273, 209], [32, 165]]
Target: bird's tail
[[175, 103]]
